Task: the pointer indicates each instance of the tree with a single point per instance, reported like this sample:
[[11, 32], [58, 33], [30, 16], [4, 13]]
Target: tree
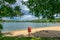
[[17, 10], [7, 11], [1, 27], [10, 1], [46, 8]]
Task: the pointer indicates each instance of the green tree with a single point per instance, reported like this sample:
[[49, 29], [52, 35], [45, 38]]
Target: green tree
[[10, 1], [7, 11], [46, 8], [17, 11]]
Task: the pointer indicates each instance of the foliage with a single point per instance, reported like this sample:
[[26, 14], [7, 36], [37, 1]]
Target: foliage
[[6, 9], [10, 1], [29, 38], [46, 8], [35, 21], [17, 11]]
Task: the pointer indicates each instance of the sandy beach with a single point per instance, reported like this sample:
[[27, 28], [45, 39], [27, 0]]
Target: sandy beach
[[25, 32]]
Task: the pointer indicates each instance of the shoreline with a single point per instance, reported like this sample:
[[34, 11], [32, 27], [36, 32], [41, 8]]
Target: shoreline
[[25, 32]]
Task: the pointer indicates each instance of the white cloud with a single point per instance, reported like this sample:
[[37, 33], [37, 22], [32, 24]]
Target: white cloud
[[24, 17], [19, 3], [25, 0], [28, 17], [23, 7]]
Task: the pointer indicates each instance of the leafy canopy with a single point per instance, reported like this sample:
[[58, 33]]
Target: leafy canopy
[[7, 11], [10, 1], [46, 8]]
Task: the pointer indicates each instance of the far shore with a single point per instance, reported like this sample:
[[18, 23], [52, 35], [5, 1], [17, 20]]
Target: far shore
[[25, 32]]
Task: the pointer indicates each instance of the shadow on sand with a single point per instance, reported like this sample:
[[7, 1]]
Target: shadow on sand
[[42, 33], [46, 33]]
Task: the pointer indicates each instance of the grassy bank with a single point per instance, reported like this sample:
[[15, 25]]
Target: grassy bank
[[36, 21], [29, 38]]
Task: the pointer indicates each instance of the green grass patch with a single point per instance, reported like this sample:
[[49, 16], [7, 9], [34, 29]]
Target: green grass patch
[[35, 21], [29, 38]]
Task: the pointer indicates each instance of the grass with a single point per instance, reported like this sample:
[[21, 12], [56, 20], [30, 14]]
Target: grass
[[29, 38], [35, 21]]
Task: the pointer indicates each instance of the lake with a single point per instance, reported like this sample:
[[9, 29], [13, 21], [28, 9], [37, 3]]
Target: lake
[[12, 26]]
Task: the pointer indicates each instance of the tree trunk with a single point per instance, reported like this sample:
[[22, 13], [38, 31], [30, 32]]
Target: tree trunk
[[0, 31]]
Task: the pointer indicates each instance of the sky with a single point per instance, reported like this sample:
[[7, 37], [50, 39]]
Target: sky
[[19, 3], [23, 18], [24, 9]]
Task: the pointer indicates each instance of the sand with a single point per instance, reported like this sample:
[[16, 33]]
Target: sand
[[25, 32]]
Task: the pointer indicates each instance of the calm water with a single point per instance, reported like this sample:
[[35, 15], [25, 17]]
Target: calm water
[[11, 26]]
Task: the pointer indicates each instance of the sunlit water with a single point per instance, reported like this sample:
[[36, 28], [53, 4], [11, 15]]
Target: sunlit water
[[11, 26]]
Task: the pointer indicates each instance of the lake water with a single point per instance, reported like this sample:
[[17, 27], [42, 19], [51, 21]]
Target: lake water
[[11, 26]]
